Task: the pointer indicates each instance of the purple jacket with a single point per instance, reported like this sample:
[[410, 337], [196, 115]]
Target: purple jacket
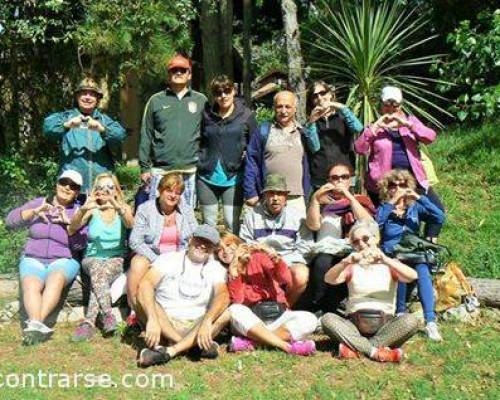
[[378, 145], [46, 242]]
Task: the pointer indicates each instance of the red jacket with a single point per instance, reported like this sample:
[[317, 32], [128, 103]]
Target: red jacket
[[264, 281]]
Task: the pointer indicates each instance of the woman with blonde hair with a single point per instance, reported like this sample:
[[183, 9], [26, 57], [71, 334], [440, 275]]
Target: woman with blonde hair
[[107, 217], [371, 327], [402, 210], [162, 225]]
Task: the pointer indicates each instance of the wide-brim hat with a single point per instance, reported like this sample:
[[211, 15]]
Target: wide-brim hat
[[89, 84], [275, 183]]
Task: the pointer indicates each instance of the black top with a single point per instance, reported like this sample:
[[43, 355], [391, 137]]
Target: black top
[[336, 145], [225, 139]]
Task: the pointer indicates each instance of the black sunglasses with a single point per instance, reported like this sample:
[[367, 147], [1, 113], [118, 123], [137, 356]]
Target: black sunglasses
[[226, 91], [321, 93], [178, 70], [68, 182], [393, 185], [335, 178]]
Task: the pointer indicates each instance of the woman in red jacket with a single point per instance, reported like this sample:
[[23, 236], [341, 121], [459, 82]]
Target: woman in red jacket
[[260, 314]]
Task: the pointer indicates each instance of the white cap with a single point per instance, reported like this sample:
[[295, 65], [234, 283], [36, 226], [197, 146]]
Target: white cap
[[391, 93], [73, 175]]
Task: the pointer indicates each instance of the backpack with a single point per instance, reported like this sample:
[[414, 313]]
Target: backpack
[[452, 288]]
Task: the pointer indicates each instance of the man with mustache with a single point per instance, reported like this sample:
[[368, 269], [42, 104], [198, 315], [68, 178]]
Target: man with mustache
[[278, 225], [281, 147]]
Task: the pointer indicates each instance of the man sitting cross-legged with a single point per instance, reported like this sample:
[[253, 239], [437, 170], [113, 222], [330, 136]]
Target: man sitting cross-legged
[[180, 299]]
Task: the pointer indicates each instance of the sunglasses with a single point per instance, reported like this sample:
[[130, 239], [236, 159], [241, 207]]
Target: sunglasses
[[178, 70], [394, 185], [321, 93], [104, 188], [336, 178], [357, 241], [221, 92], [68, 182], [391, 103]]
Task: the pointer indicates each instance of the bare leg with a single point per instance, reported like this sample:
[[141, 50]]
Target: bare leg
[[261, 334], [32, 297], [52, 293], [300, 276], [168, 332], [138, 268], [283, 333]]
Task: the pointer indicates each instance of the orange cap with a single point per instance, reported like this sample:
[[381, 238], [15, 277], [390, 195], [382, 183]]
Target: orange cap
[[179, 61]]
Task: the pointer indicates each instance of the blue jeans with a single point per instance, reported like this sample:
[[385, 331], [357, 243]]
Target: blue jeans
[[425, 292], [32, 267]]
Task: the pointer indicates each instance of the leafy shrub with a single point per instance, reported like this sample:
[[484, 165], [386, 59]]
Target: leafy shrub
[[473, 68]]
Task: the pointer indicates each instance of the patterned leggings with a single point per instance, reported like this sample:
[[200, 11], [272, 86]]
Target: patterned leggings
[[102, 272], [393, 334]]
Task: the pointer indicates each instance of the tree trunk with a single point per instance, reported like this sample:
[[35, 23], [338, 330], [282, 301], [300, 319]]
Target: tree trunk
[[216, 24], [487, 291], [295, 62], [247, 51]]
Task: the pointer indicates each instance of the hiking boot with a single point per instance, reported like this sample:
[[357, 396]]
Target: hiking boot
[[212, 353], [303, 347], [148, 357], [433, 332], [346, 353], [109, 323], [85, 331], [238, 343], [385, 354]]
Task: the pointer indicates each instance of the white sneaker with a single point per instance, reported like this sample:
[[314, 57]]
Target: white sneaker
[[39, 326], [433, 332]]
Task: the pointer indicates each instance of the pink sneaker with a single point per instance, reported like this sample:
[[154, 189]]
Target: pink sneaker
[[303, 347], [345, 352], [238, 343]]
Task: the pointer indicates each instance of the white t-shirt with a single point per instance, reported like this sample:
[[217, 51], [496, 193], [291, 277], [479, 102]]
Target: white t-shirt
[[186, 288]]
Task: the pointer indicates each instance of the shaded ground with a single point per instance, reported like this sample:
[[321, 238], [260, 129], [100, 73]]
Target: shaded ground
[[465, 366]]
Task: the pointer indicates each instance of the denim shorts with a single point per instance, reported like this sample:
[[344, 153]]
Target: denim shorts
[[32, 267]]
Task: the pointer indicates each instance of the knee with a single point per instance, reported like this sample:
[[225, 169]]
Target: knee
[[139, 264], [329, 321], [300, 274], [32, 285]]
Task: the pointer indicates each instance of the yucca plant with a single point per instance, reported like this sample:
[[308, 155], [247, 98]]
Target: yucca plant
[[364, 45]]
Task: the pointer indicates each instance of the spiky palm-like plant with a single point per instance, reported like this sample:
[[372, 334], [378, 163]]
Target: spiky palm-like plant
[[363, 45]]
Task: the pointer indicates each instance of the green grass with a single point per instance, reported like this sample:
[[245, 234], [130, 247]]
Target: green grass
[[464, 366]]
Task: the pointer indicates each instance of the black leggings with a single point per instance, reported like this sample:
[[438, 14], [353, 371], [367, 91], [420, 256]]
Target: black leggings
[[323, 296], [431, 229]]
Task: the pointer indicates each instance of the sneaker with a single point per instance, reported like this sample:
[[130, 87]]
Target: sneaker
[[346, 353], [385, 354], [33, 337], [238, 343], [433, 332], [85, 331], [148, 357], [303, 347], [109, 323], [39, 326], [212, 353]]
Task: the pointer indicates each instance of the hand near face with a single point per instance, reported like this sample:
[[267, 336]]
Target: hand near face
[[317, 113], [323, 194], [411, 195], [90, 203], [333, 105], [401, 119], [41, 211], [398, 196]]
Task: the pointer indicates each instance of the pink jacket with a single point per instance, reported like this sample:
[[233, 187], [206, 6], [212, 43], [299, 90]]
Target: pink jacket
[[378, 146]]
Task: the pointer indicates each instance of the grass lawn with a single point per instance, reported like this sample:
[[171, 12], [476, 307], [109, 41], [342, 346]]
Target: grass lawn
[[464, 366]]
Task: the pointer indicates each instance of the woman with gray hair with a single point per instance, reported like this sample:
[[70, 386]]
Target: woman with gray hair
[[370, 327]]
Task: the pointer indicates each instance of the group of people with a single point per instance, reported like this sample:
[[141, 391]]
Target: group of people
[[306, 253]]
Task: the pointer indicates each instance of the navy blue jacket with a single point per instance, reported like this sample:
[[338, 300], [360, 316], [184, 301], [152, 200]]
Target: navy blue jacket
[[255, 168], [392, 227]]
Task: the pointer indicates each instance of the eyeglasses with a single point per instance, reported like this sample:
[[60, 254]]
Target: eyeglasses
[[402, 185], [68, 182], [391, 103], [321, 93], [103, 188], [357, 241], [226, 91], [336, 178], [178, 70]]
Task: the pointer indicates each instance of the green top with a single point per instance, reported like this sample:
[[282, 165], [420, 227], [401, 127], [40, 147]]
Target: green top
[[170, 131], [105, 240]]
